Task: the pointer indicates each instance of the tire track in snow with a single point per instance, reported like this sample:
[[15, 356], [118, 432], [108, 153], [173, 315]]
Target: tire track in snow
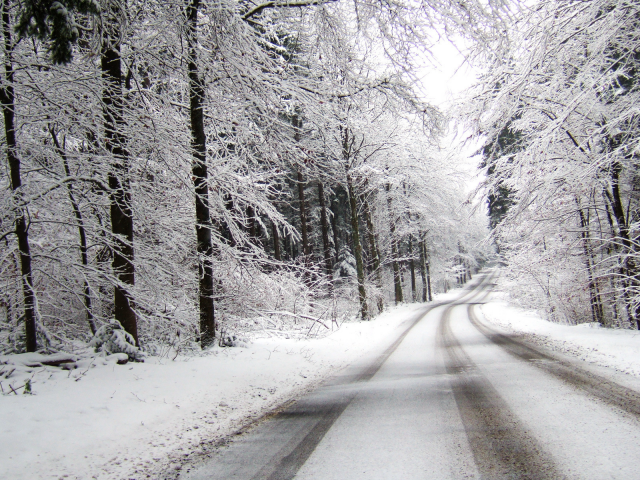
[[501, 446], [278, 444], [295, 453], [285, 464], [594, 385]]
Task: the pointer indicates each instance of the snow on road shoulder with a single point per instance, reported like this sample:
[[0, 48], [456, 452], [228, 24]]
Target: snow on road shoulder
[[109, 421], [602, 347]]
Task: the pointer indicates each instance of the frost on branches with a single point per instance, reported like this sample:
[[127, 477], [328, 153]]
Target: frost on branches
[[180, 173], [558, 114]]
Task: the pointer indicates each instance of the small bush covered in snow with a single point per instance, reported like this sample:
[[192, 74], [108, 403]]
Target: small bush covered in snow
[[112, 338]]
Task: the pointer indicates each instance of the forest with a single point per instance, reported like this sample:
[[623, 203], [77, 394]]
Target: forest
[[558, 115], [178, 174]]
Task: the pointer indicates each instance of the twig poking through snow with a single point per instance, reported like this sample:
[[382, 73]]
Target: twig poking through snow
[[82, 374], [138, 397]]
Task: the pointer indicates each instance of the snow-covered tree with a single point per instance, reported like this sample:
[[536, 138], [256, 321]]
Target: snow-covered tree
[[559, 120]]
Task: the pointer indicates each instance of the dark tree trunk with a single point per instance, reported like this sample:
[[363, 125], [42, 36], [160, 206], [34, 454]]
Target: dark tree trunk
[[596, 304], [367, 254], [303, 218], [357, 249], [397, 279], [276, 241], [412, 269], [428, 267], [22, 231], [200, 181], [81, 231], [334, 228], [462, 273], [375, 254], [287, 247], [626, 266], [223, 225], [253, 228], [115, 143], [423, 270], [612, 247], [296, 122], [324, 223]]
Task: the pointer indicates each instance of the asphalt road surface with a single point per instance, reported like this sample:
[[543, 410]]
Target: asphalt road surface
[[449, 398]]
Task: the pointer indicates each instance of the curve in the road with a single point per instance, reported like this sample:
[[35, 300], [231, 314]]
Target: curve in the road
[[501, 445], [277, 449], [595, 385], [290, 459]]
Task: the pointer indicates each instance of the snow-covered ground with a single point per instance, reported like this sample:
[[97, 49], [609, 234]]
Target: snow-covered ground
[[109, 421], [603, 347]]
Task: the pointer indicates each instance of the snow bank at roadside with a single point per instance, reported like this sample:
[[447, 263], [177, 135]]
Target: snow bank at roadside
[[617, 349], [108, 421]]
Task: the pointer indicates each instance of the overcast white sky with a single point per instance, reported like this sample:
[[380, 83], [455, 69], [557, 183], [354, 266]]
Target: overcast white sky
[[443, 83], [448, 77]]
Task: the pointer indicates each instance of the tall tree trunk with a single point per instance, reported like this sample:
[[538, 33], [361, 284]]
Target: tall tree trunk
[[375, 253], [200, 181], [223, 225], [626, 264], [462, 273], [81, 231], [357, 249], [397, 279], [276, 241], [115, 143], [303, 218], [613, 247], [254, 230], [423, 269], [594, 295], [287, 247], [22, 231], [412, 269], [324, 223], [428, 267], [334, 229], [296, 122]]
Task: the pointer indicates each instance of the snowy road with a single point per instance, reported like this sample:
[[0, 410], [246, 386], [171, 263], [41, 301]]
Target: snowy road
[[450, 397]]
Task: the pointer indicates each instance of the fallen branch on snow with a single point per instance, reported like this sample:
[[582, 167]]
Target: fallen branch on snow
[[299, 315]]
